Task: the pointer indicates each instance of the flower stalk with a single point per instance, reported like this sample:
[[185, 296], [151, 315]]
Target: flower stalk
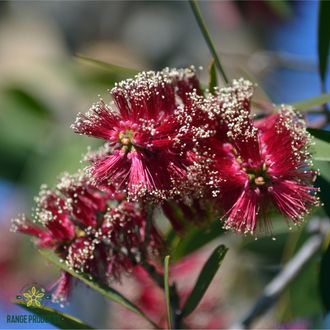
[[195, 8]]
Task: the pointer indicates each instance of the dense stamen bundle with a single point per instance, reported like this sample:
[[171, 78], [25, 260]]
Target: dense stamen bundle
[[268, 166], [93, 231], [153, 121]]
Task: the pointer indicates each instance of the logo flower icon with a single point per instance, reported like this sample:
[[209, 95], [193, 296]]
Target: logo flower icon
[[33, 297]]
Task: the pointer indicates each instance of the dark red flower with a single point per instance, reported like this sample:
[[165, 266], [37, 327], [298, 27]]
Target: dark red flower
[[83, 200], [151, 124], [125, 229], [266, 165], [93, 231], [63, 287], [51, 212]]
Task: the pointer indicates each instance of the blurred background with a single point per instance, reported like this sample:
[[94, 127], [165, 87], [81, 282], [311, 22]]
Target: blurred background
[[45, 81]]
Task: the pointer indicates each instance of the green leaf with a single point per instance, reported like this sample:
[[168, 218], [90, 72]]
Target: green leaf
[[213, 82], [195, 238], [320, 134], [167, 292], [56, 318], [205, 278], [324, 168], [103, 289], [323, 182], [325, 279], [321, 150], [312, 102], [324, 186], [25, 100], [323, 38], [112, 68], [279, 7]]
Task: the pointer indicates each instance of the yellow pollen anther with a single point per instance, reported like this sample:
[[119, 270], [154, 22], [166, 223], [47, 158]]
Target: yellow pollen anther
[[259, 181], [80, 233], [125, 141]]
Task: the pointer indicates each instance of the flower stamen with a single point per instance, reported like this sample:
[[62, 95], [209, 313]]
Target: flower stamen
[[259, 181]]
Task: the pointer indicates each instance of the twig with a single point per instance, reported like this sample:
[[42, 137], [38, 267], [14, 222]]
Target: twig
[[207, 37], [273, 290]]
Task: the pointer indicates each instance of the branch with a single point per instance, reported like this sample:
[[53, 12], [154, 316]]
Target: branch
[[290, 271]]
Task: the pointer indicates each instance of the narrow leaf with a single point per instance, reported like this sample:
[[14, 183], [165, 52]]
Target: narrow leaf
[[167, 292], [25, 100], [213, 82], [324, 279], [323, 39], [324, 186], [320, 134], [103, 289], [120, 70], [323, 182], [54, 317], [202, 26], [321, 150], [205, 278], [312, 102]]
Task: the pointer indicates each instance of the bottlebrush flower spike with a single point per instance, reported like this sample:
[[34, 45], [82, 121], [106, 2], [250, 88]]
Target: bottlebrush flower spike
[[56, 227], [268, 166], [93, 231], [63, 287], [67, 219], [125, 230], [151, 123]]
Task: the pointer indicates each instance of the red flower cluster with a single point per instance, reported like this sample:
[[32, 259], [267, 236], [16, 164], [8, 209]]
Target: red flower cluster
[[93, 231], [167, 141], [266, 165], [149, 129]]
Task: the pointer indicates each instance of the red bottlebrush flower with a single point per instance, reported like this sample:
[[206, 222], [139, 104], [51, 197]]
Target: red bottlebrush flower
[[83, 200], [63, 287], [80, 252], [152, 122], [268, 166], [125, 229], [57, 228], [94, 232], [68, 218]]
